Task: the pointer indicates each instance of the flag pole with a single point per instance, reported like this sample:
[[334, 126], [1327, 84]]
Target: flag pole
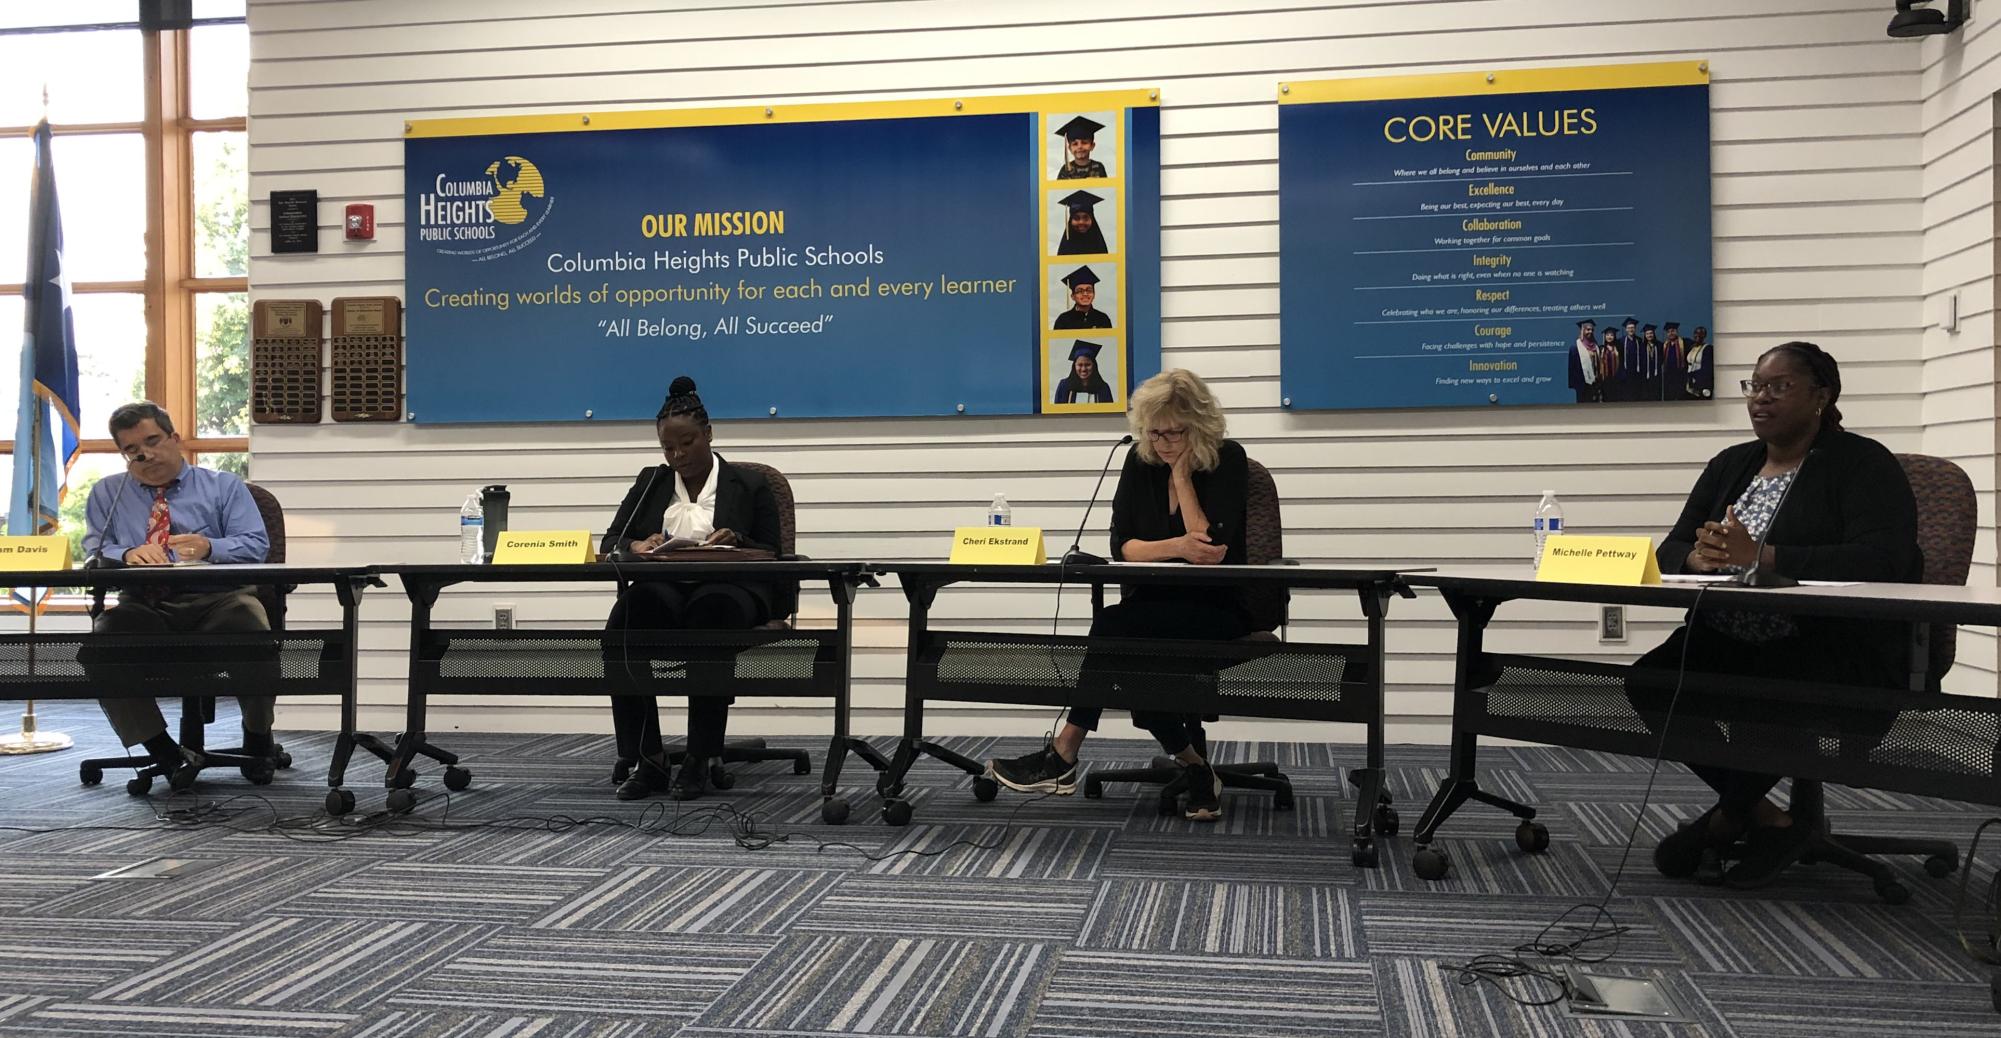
[[29, 739]]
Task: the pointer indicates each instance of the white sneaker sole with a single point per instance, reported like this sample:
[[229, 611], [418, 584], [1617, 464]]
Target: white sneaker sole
[[1056, 787]]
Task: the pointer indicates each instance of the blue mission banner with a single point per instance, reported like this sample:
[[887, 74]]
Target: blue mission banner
[[904, 258], [1529, 237]]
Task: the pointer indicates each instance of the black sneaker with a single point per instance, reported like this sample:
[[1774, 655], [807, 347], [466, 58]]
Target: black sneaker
[[1205, 793], [1044, 771]]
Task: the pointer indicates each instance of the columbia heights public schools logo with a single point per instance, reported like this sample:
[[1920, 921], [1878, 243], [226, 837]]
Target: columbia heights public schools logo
[[498, 210]]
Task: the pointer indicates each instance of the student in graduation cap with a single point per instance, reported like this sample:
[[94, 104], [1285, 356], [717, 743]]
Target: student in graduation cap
[[1080, 137], [1085, 384], [1674, 361], [1584, 362], [1081, 235], [1083, 284]]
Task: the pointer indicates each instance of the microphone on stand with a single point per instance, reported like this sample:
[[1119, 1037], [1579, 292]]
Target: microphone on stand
[[620, 550], [97, 559], [1755, 576], [1077, 556]]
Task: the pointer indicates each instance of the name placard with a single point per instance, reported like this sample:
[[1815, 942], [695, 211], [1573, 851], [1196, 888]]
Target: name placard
[[1571, 559], [997, 546], [523, 547], [47, 552]]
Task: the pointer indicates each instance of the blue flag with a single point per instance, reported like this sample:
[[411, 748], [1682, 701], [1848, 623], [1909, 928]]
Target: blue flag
[[45, 428]]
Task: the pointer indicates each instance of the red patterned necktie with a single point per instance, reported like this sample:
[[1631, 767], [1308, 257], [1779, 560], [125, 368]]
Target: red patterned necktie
[[158, 520]]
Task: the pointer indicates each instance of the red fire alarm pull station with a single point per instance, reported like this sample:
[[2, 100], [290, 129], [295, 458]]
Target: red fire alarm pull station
[[360, 221]]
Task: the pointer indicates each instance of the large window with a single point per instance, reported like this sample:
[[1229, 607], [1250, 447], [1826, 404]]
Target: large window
[[151, 165]]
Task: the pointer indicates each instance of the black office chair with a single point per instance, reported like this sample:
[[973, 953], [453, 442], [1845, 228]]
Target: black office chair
[[753, 751], [1947, 518], [1264, 544], [198, 712]]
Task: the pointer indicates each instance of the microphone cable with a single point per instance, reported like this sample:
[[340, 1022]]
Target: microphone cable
[[1528, 959]]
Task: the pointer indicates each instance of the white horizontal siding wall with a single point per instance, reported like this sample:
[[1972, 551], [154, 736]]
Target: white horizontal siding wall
[[1823, 229]]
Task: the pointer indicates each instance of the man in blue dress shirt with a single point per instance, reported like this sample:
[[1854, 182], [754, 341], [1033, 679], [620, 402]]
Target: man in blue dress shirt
[[158, 512]]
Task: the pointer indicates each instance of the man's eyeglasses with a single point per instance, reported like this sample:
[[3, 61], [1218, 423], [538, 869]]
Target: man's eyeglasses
[[1777, 388]]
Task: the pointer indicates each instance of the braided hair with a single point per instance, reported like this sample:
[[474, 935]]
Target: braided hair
[[1826, 374], [682, 402]]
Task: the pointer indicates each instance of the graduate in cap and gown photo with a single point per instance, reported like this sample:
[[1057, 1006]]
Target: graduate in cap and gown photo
[[1674, 361], [1080, 136], [1650, 364], [1081, 236], [1584, 362], [1083, 284], [1084, 384]]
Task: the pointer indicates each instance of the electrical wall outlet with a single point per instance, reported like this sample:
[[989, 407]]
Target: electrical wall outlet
[[1611, 623], [503, 616]]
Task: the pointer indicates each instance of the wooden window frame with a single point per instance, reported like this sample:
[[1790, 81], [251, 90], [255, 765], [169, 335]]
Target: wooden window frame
[[170, 288]]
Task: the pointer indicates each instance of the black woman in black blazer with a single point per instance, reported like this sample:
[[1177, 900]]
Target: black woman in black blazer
[[1845, 512], [744, 514]]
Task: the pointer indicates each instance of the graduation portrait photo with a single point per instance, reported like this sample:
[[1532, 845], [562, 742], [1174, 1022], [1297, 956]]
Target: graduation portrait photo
[[1081, 222], [1083, 298], [1084, 374], [1082, 146]]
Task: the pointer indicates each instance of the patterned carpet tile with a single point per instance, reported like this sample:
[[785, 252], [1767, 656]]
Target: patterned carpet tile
[[663, 899], [1807, 939], [1204, 854], [1249, 813], [1267, 920], [30, 879], [663, 978], [1819, 1007], [114, 1019], [1459, 929], [1493, 866], [994, 852], [432, 1023], [927, 906], [828, 984], [534, 842], [1421, 997], [73, 957], [445, 892], [292, 963], [1112, 994], [238, 888]]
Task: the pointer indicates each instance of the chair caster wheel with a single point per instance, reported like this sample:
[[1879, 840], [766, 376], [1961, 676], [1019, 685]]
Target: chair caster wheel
[[258, 774], [1387, 821], [985, 789], [138, 785], [1532, 837], [90, 774], [1167, 805], [339, 802], [896, 812], [1892, 892], [802, 767], [1994, 991], [1938, 866], [280, 759], [1093, 789], [1429, 864], [401, 801], [403, 779], [1282, 800], [834, 811], [457, 778], [1364, 855]]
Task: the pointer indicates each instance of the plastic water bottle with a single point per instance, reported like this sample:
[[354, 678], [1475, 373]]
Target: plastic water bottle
[[998, 513], [1548, 520], [472, 530]]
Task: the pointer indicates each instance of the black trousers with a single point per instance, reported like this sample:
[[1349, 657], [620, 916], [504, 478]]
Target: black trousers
[[1790, 726], [1163, 615], [664, 606]]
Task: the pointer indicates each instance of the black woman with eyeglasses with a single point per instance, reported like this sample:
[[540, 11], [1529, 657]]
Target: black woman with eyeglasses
[[1181, 498], [1838, 508]]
